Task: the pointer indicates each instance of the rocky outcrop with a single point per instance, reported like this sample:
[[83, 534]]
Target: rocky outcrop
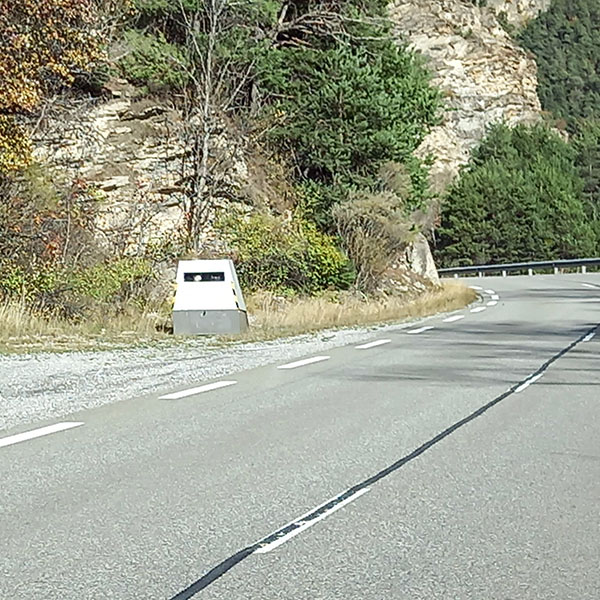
[[420, 259], [484, 75], [132, 153], [518, 12]]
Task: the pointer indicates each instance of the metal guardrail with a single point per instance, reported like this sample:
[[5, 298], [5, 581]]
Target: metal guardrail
[[530, 267]]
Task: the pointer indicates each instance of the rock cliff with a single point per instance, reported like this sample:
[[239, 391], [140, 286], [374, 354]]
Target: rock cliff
[[484, 75]]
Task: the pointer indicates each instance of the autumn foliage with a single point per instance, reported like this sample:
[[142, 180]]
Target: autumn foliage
[[43, 44]]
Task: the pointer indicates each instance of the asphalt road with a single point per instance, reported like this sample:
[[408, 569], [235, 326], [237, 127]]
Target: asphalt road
[[457, 462]]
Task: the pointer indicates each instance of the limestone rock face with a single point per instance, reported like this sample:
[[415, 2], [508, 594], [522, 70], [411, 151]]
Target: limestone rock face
[[518, 12], [132, 152], [484, 75], [420, 259]]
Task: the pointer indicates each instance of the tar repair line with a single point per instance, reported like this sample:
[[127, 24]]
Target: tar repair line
[[197, 390], [36, 433], [352, 492], [372, 344]]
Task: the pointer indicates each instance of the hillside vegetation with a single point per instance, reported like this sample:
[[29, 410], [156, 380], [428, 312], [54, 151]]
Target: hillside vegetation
[[532, 194], [321, 88]]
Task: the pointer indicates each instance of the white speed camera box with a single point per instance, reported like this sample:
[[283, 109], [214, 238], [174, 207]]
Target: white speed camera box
[[208, 298]]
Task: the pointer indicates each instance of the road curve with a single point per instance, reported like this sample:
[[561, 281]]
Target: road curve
[[459, 458]]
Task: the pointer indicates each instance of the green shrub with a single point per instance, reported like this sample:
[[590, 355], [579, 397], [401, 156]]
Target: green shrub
[[285, 256], [153, 62], [519, 199], [73, 292]]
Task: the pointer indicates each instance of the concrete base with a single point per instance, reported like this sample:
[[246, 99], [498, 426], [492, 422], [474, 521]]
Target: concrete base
[[198, 322]]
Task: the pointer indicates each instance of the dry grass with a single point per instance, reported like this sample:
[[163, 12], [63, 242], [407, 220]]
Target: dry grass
[[22, 330], [271, 317]]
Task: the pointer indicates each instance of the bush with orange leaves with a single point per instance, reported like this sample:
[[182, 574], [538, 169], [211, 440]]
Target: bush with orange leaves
[[42, 46]]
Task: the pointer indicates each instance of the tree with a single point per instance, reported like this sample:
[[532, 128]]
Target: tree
[[566, 45], [587, 146], [518, 199], [322, 83]]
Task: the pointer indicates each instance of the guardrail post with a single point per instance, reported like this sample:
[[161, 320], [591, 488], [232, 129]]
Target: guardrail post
[[503, 273], [455, 275], [480, 274], [556, 270], [583, 269], [530, 272]]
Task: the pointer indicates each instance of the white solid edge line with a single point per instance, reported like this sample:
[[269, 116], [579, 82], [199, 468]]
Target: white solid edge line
[[528, 382], [589, 285], [475, 287], [197, 390], [490, 292], [36, 433], [454, 318], [372, 344], [421, 329], [492, 303], [301, 363], [478, 309], [305, 525], [589, 336], [495, 297]]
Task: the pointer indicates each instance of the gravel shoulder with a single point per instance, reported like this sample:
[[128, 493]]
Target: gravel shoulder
[[44, 386]]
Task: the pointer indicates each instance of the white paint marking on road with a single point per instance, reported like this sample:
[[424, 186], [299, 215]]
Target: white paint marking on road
[[454, 318], [36, 433], [478, 309], [302, 525], [197, 390], [495, 297], [492, 303], [301, 363], [421, 329], [490, 292], [475, 287], [528, 382], [589, 285], [372, 344], [589, 336]]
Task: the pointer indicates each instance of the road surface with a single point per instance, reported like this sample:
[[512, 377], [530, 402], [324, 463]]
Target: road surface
[[456, 459]]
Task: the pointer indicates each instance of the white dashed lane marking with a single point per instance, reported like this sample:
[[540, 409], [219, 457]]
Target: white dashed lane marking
[[306, 521], [421, 329], [478, 309], [492, 303], [372, 344], [302, 363], [197, 390], [454, 318], [528, 382], [490, 292], [36, 433]]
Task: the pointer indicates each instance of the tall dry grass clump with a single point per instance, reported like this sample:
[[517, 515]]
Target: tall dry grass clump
[[272, 316], [23, 329]]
